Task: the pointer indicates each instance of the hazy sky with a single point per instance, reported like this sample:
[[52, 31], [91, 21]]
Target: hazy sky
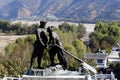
[[4, 2]]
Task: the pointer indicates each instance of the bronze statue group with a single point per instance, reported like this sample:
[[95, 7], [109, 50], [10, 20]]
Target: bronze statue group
[[43, 41]]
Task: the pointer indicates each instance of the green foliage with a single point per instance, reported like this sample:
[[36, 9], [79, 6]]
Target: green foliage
[[68, 33], [80, 48], [73, 65], [30, 38], [66, 27], [105, 46], [4, 25], [66, 37], [105, 34], [94, 44], [10, 48], [46, 59], [115, 67], [2, 70], [99, 27], [81, 31], [17, 28], [70, 48], [98, 35], [19, 41], [18, 59]]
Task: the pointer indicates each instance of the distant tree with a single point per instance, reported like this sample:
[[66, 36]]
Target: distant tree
[[32, 28], [17, 57], [81, 30], [17, 28], [106, 34], [99, 26], [66, 27], [70, 48], [4, 25], [80, 48], [111, 40], [94, 44], [106, 46], [72, 65]]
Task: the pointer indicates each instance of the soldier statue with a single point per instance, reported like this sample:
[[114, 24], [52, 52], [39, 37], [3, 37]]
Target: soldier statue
[[54, 43], [39, 45]]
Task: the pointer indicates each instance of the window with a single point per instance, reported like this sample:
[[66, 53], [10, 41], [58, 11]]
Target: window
[[100, 61]]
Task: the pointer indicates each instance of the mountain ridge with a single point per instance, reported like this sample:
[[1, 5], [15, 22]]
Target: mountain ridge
[[80, 10]]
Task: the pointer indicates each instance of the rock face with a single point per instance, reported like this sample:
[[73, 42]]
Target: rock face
[[83, 10]]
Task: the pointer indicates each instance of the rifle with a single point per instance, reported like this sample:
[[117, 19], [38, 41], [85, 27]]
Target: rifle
[[87, 66]]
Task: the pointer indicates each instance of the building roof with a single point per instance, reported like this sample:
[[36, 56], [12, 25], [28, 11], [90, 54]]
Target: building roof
[[95, 56], [114, 56]]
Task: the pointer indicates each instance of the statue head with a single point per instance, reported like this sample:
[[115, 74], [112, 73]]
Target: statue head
[[42, 24], [50, 29]]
